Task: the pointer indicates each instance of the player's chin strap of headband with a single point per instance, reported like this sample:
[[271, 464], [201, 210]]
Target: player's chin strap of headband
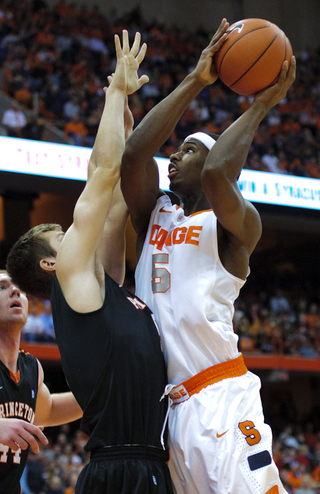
[[208, 141]]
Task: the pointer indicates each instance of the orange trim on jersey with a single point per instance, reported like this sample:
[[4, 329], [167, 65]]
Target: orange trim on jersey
[[23, 351], [231, 368], [15, 376], [199, 212], [273, 490]]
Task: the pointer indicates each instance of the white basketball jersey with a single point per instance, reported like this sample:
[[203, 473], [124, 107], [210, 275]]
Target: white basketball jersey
[[182, 280]]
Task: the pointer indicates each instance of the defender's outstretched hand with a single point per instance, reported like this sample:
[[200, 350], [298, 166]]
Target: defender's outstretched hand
[[132, 59]]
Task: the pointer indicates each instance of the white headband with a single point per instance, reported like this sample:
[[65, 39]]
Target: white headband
[[208, 141]]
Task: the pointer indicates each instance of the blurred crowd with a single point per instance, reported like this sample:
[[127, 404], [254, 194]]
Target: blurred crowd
[[56, 468], [276, 320], [55, 61]]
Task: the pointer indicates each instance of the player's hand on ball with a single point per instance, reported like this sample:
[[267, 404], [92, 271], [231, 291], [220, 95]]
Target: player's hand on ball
[[274, 94], [206, 69]]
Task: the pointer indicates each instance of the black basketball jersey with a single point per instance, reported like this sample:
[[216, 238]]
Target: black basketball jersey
[[113, 363], [17, 400]]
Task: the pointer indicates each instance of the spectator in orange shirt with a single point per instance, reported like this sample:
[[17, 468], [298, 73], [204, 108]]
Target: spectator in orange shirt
[[313, 315], [291, 125], [46, 36], [295, 475], [76, 130], [23, 95]]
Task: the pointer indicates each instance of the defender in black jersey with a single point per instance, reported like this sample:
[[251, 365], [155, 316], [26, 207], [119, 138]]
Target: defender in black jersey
[[109, 344], [113, 363], [24, 398], [17, 400]]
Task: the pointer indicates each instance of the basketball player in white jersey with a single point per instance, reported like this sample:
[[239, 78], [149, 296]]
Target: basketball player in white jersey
[[193, 260]]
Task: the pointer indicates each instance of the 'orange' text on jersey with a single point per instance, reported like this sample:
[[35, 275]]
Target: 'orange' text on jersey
[[179, 235]]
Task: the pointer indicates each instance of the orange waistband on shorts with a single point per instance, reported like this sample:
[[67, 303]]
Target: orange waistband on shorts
[[231, 368]]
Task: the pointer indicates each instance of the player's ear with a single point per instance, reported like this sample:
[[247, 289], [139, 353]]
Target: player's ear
[[48, 264]]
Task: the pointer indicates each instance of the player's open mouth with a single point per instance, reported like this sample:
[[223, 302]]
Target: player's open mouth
[[172, 169]]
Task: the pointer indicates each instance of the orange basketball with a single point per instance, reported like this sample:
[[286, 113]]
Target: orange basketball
[[252, 56]]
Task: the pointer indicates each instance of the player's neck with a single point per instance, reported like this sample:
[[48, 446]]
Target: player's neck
[[9, 350], [194, 204]]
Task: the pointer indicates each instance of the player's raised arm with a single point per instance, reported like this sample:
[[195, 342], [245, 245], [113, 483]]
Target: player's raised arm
[[227, 157], [111, 250], [77, 254]]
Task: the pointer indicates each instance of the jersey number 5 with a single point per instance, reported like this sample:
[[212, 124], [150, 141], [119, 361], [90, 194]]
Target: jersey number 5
[[161, 278]]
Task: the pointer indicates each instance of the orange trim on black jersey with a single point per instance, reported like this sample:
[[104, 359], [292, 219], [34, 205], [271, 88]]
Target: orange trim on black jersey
[[24, 351], [15, 376]]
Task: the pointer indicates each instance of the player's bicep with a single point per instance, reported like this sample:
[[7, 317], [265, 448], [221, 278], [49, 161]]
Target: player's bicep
[[226, 200], [236, 215]]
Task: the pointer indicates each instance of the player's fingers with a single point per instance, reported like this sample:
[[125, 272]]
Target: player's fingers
[[136, 43], [283, 72], [34, 445], [117, 46], [17, 442], [31, 440], [37, 433], [291, 74], [215, 46], [224, 25], [143, 80], [125, 42], [31, 433], [141, 53]]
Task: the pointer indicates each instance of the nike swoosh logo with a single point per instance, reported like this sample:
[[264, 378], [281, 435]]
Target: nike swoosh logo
[[220, 435], [1, 387], [162, 210]]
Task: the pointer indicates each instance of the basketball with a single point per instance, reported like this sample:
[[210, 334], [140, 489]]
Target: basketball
[[251, 58]]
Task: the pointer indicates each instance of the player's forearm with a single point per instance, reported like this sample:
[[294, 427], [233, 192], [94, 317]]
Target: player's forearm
[[157, 126], [230, 152], [110, 139]]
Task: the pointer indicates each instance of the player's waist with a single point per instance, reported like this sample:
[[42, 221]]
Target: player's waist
[[130, 451], [214, 374]]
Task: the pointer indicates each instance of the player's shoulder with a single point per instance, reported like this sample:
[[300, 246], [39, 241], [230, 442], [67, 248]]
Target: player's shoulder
[[26, 356]]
